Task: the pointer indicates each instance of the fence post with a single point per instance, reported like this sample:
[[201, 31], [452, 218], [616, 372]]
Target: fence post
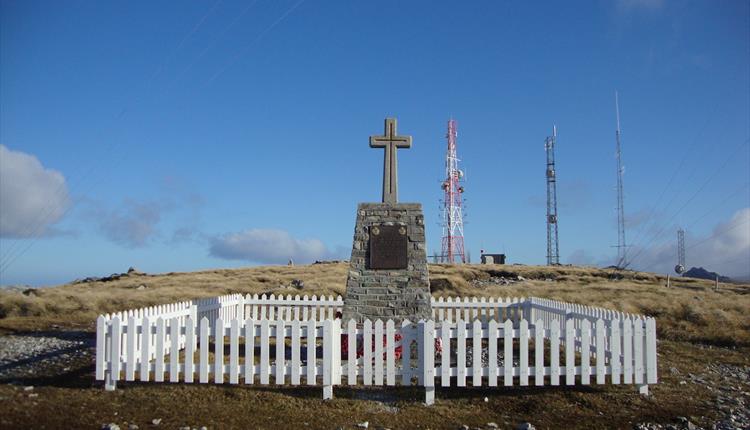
[[426, 341], [112, 373], [101, 335], [328, 358]]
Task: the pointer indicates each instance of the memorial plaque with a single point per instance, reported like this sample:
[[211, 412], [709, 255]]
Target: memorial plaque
[[388, 247]]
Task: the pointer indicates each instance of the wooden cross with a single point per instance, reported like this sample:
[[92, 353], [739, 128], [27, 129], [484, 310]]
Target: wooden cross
[[390, 141]]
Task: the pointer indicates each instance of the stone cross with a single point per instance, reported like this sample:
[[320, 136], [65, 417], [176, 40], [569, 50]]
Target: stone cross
[[390, 141]]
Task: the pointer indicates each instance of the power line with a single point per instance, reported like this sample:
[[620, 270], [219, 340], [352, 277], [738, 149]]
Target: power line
[[182, 42], [689, 151], [257, 38], [698, 191]]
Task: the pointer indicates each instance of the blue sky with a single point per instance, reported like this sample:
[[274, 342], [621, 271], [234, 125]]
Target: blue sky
[[225, 133]]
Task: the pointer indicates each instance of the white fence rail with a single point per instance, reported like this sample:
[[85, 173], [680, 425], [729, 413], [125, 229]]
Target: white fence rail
[[300, 341]]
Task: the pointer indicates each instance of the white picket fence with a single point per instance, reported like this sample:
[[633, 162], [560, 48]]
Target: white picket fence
[[294, 341]]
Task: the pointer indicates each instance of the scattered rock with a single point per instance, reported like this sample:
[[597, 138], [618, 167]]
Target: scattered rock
[[363, 425], [525, 426], [29, 388], [486, 399], [133, 427], [156, 421], [141, 287], [30, 292], [492, 425], [33, 395], [298, 284], [110, 426]]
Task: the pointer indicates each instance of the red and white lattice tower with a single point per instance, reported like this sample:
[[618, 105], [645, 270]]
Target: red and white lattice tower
[[453, 222]]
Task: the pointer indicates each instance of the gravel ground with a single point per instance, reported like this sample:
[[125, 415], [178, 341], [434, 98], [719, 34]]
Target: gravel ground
[[731, 387], [42, 354]]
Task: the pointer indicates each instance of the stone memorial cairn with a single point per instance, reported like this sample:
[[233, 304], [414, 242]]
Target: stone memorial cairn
[[388, 267]]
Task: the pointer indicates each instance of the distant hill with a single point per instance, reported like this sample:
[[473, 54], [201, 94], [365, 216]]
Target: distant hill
[[701, 273]]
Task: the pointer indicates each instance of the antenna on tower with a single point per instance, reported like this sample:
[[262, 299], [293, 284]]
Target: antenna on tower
[[622, 247], [680, 267], [453, 223], [553, 251]]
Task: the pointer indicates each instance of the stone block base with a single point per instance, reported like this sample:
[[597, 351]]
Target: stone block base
[[396, 294]]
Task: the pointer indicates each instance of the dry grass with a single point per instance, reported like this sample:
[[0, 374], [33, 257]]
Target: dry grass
[[691, 310], [688, 314]]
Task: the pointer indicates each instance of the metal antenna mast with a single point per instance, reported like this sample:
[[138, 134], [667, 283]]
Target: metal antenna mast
[[453, 223], [680, 267], [622, 247], [553, 251]]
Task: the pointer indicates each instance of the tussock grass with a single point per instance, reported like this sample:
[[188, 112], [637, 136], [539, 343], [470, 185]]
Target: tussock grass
[[689, 311]]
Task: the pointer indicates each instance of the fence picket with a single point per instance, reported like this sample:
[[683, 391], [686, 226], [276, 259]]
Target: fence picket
[[390, 365], [379, 352], [406, 338], [524, 353], [295, 352], [427, 354], [234, 351], [539, 353], [554, 354], [174, 349], [250, 350], [627, 351], [114, 358], [280, 354], [159, 367], [311, 362], [445, 357], [145, 348], [476, 343], [328, 338], [189, 349], [570, 358], [265, 338], [367, 355], [614, 343], [460, 352], [651, 351], [601, 354], [132, 329], [638, 350], [585, 352], [351, 359], [219, 352], [508, 352], [101, 339], [204, 351], [492, 352]]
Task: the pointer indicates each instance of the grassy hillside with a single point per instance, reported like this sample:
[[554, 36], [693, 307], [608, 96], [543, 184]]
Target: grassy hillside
[[691, 310], [703, 345]]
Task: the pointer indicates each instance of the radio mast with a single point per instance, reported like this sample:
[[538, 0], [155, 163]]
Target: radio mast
[[553, 251], [622, 247], [453, 222]]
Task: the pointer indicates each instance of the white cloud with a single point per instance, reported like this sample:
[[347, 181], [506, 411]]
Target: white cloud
[[725, 251], [267, 246], [132, 225], [32, 197]]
